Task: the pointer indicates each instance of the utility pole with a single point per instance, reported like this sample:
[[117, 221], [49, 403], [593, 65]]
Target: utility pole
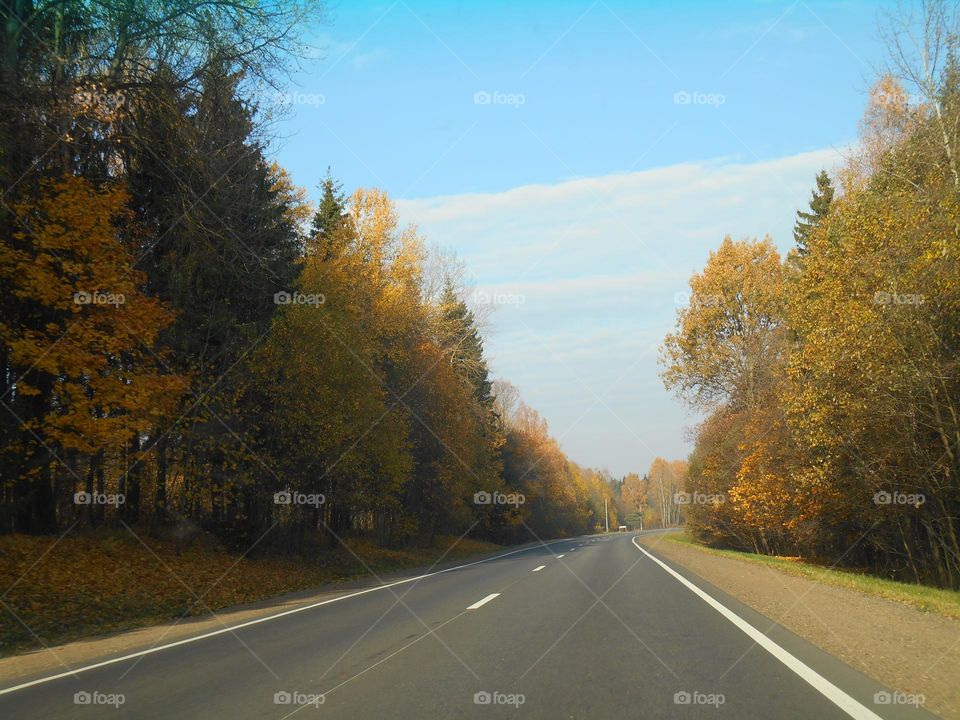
[[606, 518]]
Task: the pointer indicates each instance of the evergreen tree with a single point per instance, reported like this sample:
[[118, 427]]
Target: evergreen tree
[[820, 201], [330, 212], [466, 345]]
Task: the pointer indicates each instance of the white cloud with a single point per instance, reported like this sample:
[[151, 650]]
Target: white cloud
[[598, 263]]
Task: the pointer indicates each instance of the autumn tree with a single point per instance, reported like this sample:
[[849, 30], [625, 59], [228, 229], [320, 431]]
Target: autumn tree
[[82, 347]]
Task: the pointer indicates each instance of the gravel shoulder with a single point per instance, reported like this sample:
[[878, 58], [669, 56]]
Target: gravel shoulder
[[902, 647]]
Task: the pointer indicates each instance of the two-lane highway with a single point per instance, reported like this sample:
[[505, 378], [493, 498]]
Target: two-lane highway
[[585, 628]]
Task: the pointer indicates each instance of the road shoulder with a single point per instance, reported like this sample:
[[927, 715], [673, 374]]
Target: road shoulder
[[899, 646], [63, 657]]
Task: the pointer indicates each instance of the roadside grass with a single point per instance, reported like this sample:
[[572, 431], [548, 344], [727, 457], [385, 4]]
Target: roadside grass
[[53, 592], [922, 597]]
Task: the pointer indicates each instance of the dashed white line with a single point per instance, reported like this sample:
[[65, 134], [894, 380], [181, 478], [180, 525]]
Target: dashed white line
[[559, 556], [484, 601], [538, 569], [838, 697], [268, 618]]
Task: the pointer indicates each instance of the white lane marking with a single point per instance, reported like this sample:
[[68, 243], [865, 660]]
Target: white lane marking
[[838, 697], [559, 556], [481, 603], [538, 569], [231, 628]]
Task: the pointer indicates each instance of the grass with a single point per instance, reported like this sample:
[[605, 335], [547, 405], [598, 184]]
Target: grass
[[922, 597], [57, 591]]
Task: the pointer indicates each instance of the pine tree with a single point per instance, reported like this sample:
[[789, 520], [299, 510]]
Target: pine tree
[[466, 345], [330, 215], [820, 201]]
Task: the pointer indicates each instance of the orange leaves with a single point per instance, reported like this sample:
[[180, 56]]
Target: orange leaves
[[728, 334], [86, 327]]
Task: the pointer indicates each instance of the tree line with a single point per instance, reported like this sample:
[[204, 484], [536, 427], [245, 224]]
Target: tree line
[[188, 344], [830, 378]]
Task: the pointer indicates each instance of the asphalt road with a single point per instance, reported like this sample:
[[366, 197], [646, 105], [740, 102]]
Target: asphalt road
[[585, 628]]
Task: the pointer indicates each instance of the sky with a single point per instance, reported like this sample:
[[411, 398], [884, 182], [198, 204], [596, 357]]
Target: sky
[[582, 159]]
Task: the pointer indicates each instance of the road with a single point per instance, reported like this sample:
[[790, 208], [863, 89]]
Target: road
[[587, 628]]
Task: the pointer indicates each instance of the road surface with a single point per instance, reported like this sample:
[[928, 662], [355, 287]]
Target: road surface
[[593, 627]]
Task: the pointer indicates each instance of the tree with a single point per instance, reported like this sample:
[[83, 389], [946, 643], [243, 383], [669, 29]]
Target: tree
[[83, 345], [730, 335], [819, 207], [330, 215]]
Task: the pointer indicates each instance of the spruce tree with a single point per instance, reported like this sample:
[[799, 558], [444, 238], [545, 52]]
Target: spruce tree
[[820, 201], [330, 214]]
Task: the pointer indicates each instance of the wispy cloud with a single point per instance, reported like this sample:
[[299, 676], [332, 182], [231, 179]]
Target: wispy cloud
[[585, 277], [362, 61]]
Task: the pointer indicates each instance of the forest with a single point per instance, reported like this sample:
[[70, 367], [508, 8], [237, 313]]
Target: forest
[[188, 345], [827, 379]]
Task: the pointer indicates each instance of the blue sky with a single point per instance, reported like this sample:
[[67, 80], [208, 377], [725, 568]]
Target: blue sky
[[582, 159]]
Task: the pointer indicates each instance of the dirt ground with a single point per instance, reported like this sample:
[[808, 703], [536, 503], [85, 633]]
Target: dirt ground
[[904, 648]]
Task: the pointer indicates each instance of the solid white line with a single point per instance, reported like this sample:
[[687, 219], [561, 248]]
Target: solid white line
[[538, 569], [838, 697], [481, 603], [231, 628]]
